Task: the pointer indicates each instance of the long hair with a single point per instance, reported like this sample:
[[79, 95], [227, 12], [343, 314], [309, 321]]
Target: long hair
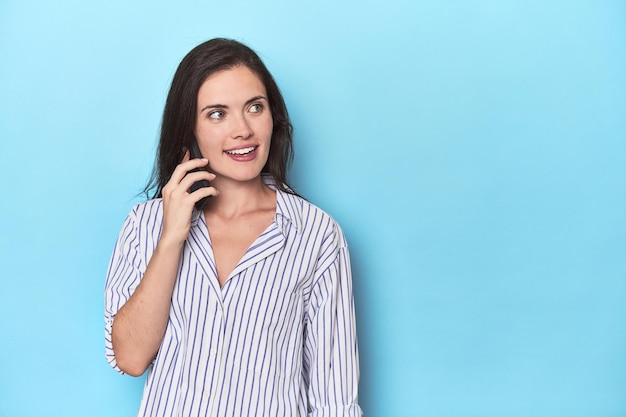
[[179, 115]]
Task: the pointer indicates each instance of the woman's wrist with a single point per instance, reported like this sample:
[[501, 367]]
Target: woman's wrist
[[170, 244]]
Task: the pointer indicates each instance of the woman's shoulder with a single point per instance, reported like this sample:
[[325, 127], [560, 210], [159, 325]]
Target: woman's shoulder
[[149, 205], [147, 211], [309, 217]]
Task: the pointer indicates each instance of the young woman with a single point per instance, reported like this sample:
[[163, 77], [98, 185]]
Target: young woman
[[237, 297]]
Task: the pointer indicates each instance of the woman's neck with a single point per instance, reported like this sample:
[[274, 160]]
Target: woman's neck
[[237, 198]]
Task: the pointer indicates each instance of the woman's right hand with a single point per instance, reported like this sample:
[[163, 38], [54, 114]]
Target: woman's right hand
[[178, 202]]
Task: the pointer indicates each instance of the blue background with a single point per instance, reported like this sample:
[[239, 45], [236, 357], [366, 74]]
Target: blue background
[[473, 151]]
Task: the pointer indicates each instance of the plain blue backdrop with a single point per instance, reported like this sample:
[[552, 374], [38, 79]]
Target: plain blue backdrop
[[473, 151]]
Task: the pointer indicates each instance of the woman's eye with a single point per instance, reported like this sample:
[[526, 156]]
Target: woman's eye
[[216, 115], [256, 108]]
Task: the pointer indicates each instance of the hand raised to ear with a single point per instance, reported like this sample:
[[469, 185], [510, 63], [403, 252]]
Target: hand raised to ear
[[179, 198]]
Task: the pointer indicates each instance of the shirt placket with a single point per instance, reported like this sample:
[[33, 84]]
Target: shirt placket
[[216, 359]]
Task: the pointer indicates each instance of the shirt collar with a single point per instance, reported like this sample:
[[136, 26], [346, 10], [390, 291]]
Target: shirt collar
[[288, 206]]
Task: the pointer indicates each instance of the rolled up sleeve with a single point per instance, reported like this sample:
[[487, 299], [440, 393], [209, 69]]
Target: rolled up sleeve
[[123, 276]]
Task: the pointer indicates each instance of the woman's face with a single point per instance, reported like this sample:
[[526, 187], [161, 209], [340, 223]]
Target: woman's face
[[234, 124]]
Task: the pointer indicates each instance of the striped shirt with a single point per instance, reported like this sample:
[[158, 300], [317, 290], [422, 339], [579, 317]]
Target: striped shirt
[[278, 339]]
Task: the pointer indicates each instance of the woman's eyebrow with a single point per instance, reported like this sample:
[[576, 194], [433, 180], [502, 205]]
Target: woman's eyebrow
[[224, 106], [214, 106], [256, 98]]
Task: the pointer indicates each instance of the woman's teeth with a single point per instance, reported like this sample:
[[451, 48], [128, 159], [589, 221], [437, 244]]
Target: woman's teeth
[[241, 151]]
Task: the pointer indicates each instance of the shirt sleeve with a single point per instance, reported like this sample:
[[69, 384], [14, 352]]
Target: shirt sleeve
[[123, 276], [331, 359]]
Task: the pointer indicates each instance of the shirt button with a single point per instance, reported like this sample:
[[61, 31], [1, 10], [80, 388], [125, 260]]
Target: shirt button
[[213, 352], [207, 394]]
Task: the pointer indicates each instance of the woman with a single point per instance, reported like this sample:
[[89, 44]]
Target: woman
[[241, 306]]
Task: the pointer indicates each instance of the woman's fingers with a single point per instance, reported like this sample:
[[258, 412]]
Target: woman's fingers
[[202, 192], [182, 171], [184, 167], [178, 200], [193, 177]]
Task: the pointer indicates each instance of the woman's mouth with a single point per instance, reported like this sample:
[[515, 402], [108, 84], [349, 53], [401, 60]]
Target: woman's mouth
[[241, 151]]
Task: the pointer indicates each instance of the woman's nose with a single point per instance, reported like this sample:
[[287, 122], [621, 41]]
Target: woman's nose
[[241, 128]]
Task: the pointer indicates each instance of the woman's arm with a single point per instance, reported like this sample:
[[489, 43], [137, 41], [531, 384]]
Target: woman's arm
[[139, 325], [330, 353]]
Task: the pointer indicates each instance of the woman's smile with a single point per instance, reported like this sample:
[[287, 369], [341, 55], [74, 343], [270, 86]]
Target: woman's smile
[[243, 154]]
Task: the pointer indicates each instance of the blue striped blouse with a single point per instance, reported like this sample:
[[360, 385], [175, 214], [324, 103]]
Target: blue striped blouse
[[278, 339]]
